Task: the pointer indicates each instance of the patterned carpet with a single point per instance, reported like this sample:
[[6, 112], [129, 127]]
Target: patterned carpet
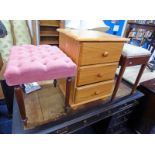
[[5, 122]]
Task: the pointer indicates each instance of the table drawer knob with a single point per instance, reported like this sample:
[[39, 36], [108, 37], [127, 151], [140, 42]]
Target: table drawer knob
[[99, 75], [105, 54], [96, 93]]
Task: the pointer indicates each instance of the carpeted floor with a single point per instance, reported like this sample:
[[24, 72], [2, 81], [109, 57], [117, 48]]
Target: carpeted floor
[[132, 72], [5, 122]]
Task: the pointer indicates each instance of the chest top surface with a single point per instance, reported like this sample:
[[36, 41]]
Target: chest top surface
[[91, 35]]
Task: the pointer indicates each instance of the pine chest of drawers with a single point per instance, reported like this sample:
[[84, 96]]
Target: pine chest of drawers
[[96, 55]]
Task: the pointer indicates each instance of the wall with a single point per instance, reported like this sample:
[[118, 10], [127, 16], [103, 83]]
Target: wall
[[117, 27]]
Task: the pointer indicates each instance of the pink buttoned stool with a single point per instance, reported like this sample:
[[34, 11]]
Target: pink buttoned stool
[[29, 63]]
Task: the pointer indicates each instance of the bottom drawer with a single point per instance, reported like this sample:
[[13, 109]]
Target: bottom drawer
[[93, 92]]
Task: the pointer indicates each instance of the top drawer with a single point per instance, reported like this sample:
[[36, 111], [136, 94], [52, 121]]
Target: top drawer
[[100, 52]]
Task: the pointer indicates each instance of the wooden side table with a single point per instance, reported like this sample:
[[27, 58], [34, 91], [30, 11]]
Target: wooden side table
[[96, 55]]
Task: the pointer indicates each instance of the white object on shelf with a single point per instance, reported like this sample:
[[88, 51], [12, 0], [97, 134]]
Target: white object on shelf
[[98, 25]]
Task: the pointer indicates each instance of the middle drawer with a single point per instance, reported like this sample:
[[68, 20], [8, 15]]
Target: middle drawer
[[96, 73]]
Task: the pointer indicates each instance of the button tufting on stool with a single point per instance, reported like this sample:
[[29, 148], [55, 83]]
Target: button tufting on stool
[[29, 63]]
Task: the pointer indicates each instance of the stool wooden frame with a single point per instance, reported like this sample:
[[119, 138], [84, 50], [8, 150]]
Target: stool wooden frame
[[20, 99], [126, 62]]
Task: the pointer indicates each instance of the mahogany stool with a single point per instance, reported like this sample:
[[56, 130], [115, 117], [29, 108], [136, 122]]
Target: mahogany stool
[[131, 56], [29, 63]]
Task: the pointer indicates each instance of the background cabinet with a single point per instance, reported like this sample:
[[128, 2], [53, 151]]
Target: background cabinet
[[48, 33]]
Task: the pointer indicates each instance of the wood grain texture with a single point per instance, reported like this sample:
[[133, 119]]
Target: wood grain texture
[[50, 22], [93, 92], [1, 62], [48, 32], [2, 71], [96, 73], [47, 104], [1, 93], [49, 40], [96, 55], [62, 86], [20, 101], [33, 109], [34, 36], [44, 105], [70, 46], [90, 35], [103, 52]]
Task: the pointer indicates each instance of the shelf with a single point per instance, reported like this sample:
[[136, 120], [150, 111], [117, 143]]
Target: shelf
[[49, 35], [49, 42], [49, 25], [141, 24], [48, 32]]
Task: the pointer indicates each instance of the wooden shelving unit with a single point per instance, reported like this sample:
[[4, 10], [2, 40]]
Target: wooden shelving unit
[[140, 30], [48, 32]]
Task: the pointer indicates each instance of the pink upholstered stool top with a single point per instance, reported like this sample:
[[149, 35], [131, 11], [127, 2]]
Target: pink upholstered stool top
[[29, 63]]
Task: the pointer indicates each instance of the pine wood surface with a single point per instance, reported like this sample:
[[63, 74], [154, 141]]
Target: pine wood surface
[[48, 33], [43, 105], [50, 23], [47, 104], [96, 73], [88, 93], [90, 35], [89, 49], [100, 52]]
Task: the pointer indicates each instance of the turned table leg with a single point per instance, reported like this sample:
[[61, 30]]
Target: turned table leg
[[20, 102], [138, 78], [68, 90], [55, 82], [119, 78]]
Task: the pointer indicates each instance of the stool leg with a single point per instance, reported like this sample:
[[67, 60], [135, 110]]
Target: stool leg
[[55, 82], [138, 78], [8, 92], [68, 89], [20, 102], [119, 78]]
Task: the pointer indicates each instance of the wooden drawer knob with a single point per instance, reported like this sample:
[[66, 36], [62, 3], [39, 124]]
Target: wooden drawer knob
[[99, 75], [105, 54], [96, 93]]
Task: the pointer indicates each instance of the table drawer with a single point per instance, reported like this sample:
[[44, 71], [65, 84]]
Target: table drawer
[[96, 73], [93, 92], [102, 52]]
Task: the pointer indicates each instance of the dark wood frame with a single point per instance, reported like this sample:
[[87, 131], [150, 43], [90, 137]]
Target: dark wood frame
[[20, 99], [130, 61], [79, 119]]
